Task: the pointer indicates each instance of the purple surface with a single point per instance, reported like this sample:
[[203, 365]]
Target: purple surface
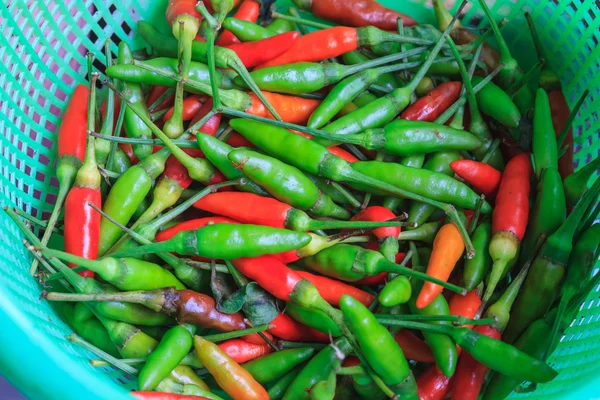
[[8, 392]]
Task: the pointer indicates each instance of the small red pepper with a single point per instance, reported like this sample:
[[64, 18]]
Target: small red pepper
[[249, 10], [465, 306], [72, 134], [191, 105], [242, 351], [560, 114], [413, 347], [237, 140], [286, 328], [429, 107], [273, 276], [433, 384], [332, 290], [483, 177], [261, 51], [291, 109], [155, 93], [378, 213]]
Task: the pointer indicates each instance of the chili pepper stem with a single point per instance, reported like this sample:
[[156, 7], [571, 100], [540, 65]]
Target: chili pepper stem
[[515, 87], [100, 353], [185, 144], [300, 21], [161, 99], [220, 337], [347, 195], [475, 219], [113, 145], [173, 127]]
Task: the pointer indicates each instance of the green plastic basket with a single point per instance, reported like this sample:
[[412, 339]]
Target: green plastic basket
[[42, 57]]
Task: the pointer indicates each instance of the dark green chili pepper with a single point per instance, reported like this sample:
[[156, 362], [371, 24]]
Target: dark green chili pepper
[[576, 184], [442, 346], [426, 233], [247, 31], [121, 162], [226, 242], [316, 370], [275, 365], [425, 182], [476, 268], [313, 318], [277, 391], [366, 387], [385, 80], [134, 126], [279, 25], [363, 99], [548, 213], [325, 389], [286, 183], [494, 102], [216, 152], [544, 146], [397, 291], [413, 161], [547, 270], [173, 347]]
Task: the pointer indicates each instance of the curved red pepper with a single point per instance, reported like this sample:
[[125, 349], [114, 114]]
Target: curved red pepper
[[332, 290], [261, 51], [176, 171], [273, 276], [378, 214], [72, 135], [286, 328], [338, 151], [237, 140], [434, 103], [242, 351], [191, 105], [155, 93], [433, 384], [483, 177], [465, 306], [249, 11], [413, 347]]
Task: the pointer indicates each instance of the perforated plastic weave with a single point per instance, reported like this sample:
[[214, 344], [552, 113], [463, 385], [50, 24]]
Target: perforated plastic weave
[[42, 57]]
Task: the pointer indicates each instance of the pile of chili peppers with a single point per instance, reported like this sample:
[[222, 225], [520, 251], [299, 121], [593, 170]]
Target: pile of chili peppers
[[376, 209]]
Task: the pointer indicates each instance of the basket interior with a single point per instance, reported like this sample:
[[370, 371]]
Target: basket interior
[[42, 57]]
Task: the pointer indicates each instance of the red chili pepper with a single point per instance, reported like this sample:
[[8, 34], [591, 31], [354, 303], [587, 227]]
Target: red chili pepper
[[413, 347], [291, 109], [356, 13], [287, 328], [318, 46], [434, 103], [249, 11], [483, 177], [433, 384], [273, 276], [378, 213], [261, 51], [335, 150], [128, 149], [470, 374], [510, 217], [560, 114], [332, 290], [155, 93], [184, 11], [465, 306], [210, 127], [242, 351], [237, 140], [191, 105], [176, 171], [72, 134], [165, 396]]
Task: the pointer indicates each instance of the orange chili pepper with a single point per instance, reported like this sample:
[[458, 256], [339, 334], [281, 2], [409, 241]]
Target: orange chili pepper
[[292, 109]]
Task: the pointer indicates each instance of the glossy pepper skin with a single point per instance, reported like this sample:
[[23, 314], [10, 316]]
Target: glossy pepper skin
[[242, 351], [484, 178], [434, 385], [287, 328], [356, 13], [544, 147], [413, 347], [261, 51], [230, 376], [560, 113], [249, 10], [434, 103], [274, 366], [495, 103], [381, 351], [476, 267], [313, 318]]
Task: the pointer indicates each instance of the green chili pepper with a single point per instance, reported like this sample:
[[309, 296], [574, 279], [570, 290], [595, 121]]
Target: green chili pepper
[[126, 195], [425, 182], [438, 162], [278, 389], [226, 242], [134, 126], [216, 152], [325, 389], [275, 365], [286, 183], [279, 25], [338, 196], [317, 369], [548, 213], [362, 99], [367, 388], [172, 348], [497, 104], [313, 318], [379, 347], [121, 162], [397, 291], [385, 80], [576, 184], [413, 161], [130, 341], [476, 268], [442, 346], [141, 209], [426, 233], [247, 31], [547, 270], [544, 146]]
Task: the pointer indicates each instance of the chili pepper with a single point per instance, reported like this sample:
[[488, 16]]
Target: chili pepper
[[247, 31], [71, 149], [318, 160], [377, 213], [133, 125], [185, 22], [124, 273], [232, 378], [396, 291], [476, 267], [434, 385], [121, 162], [545, 152], [279, 25], [274, 366], [442, 347], [425, 86], [381, 351], [278, 389], [547, 270], [242, 351], [352, 263], [483, 177], [292, 109], [249, 10], [325, 389], [332, 290], [155, 95], [273, 276], [426, 233], [413, 347], [386, 80], [191, 105], [494, 102], [425, 182], [548, 213], [81, 223], [251, 208], [511, 73], [130, 341], [365, 386], [286, 183], [332, 191], [313, 318], [465, 305], [317, 369], [176, 343], [431, 106], [235, 240], [560, 116], [287, 328], [576, 184], [255, 53], [185, 375], [191, 225], [126, 194], [356, 13], [216, 152], [165, 396], [510, 217]]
